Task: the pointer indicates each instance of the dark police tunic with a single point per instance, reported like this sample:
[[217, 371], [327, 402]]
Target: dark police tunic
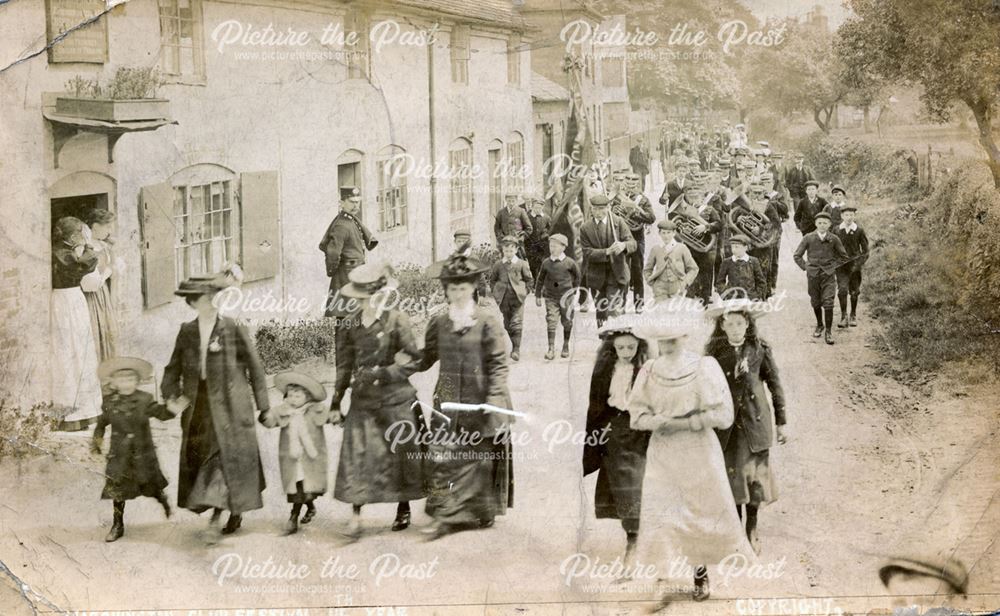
[[344, 244]]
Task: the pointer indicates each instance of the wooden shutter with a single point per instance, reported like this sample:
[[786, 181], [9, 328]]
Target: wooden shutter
[[259, 215], [158, 234]]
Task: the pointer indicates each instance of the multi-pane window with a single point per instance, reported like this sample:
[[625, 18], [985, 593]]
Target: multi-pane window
[[358, 56], [206, 224], [460, 172], [391, 197], [514, 60], [180, 38], [460, 54], [515, 165]]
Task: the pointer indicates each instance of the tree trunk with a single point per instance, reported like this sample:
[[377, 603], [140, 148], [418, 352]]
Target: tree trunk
[[984, 121], [823, 126], [868, 126]]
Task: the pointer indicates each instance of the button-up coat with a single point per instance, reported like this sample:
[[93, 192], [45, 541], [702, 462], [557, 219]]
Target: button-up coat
[[753, 413]]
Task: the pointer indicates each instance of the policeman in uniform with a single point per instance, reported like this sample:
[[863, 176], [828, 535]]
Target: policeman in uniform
[[345, 243]]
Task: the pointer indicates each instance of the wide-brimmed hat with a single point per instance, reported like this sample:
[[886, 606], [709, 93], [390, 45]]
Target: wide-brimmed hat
[[621, 324], [457, 267], [202, 285], [680, 318], [737, 304], [315, 389], [942, 567], [113, 364], [367, 279]]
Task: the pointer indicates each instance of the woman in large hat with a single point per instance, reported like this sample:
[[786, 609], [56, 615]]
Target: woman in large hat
[[688, 513], [613, 449], [214, 370], [376, 466], [471, 478], [748, 364]]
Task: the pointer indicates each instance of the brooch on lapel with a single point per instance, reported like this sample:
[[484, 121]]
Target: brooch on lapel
[[214, 346], [743, 367]]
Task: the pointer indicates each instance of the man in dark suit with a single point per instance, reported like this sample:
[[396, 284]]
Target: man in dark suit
[[537, 243], [345, 242], [638, 158], [807, 208], [796, 178], [513, 220], [675, 187], [606, 242]]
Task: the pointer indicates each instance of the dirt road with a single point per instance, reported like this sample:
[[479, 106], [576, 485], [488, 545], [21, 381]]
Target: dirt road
[[870, 466]]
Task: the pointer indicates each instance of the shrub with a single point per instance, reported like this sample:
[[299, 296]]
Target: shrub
[[282, 345], [873, 170], [934, 275], [21, 429]]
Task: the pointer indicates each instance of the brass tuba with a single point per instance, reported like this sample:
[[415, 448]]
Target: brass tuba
[[753, 223], [629, 210], [686, 217]]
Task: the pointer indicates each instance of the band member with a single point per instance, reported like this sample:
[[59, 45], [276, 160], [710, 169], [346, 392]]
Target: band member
[[373, 468], [741, 272], [557, 283], [855, 242], [715, 193], [606, 242], [675, 187], [471, 480], [777, 211], [688, 511], [638, 158], [758, 203], [835, 207], [537, 244], [697, 209], [512, 281], [214, 373], [513, 220], [748, 364], [302, 456], [133, 469], [825, 253], [796, 178], [613, 448], [671, 269], [635, 208], [345, 243], [807, 208]]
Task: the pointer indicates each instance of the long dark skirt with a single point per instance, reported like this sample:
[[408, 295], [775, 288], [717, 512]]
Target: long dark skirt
[[619, 480], [470, 483], [369, 471], [749, 473], [209, 490]]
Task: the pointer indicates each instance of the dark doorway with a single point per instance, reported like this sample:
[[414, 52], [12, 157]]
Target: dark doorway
[[77, 206]]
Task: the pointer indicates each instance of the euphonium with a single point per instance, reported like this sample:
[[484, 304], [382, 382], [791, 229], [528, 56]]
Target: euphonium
[[629, 210], [753, 223], [686, 217]]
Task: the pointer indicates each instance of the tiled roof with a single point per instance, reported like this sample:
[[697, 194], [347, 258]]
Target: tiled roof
[[500, 12], [544, 89]]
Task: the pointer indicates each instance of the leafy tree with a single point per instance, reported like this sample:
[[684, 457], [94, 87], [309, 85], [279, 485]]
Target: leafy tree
[[947, 47]]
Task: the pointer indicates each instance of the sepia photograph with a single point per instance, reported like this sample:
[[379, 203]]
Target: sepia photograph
[[499, 307]]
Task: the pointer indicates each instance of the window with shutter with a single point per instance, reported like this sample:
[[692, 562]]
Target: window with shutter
[[259, 209], [158, 237]]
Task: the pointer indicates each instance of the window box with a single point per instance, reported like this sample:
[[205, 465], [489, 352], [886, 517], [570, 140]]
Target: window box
[[113, 110]]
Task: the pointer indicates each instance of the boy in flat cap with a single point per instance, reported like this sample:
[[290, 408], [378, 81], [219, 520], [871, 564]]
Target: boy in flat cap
[[511, 278], [741, 272], [836, 205], [345, 243], [825, 254], [557, 283], [807, 207], [537, 243], [796, 178], [855, 242], [513, 220]]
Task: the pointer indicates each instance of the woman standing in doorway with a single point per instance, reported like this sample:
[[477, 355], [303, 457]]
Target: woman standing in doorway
[[215, 372], [75, 385], [97, 285]]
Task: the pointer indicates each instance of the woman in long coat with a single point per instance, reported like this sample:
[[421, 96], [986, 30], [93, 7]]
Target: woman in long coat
[[748, 364], [688, 513], [375, 466], [613, 449], [471, 478], [215, 370]]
